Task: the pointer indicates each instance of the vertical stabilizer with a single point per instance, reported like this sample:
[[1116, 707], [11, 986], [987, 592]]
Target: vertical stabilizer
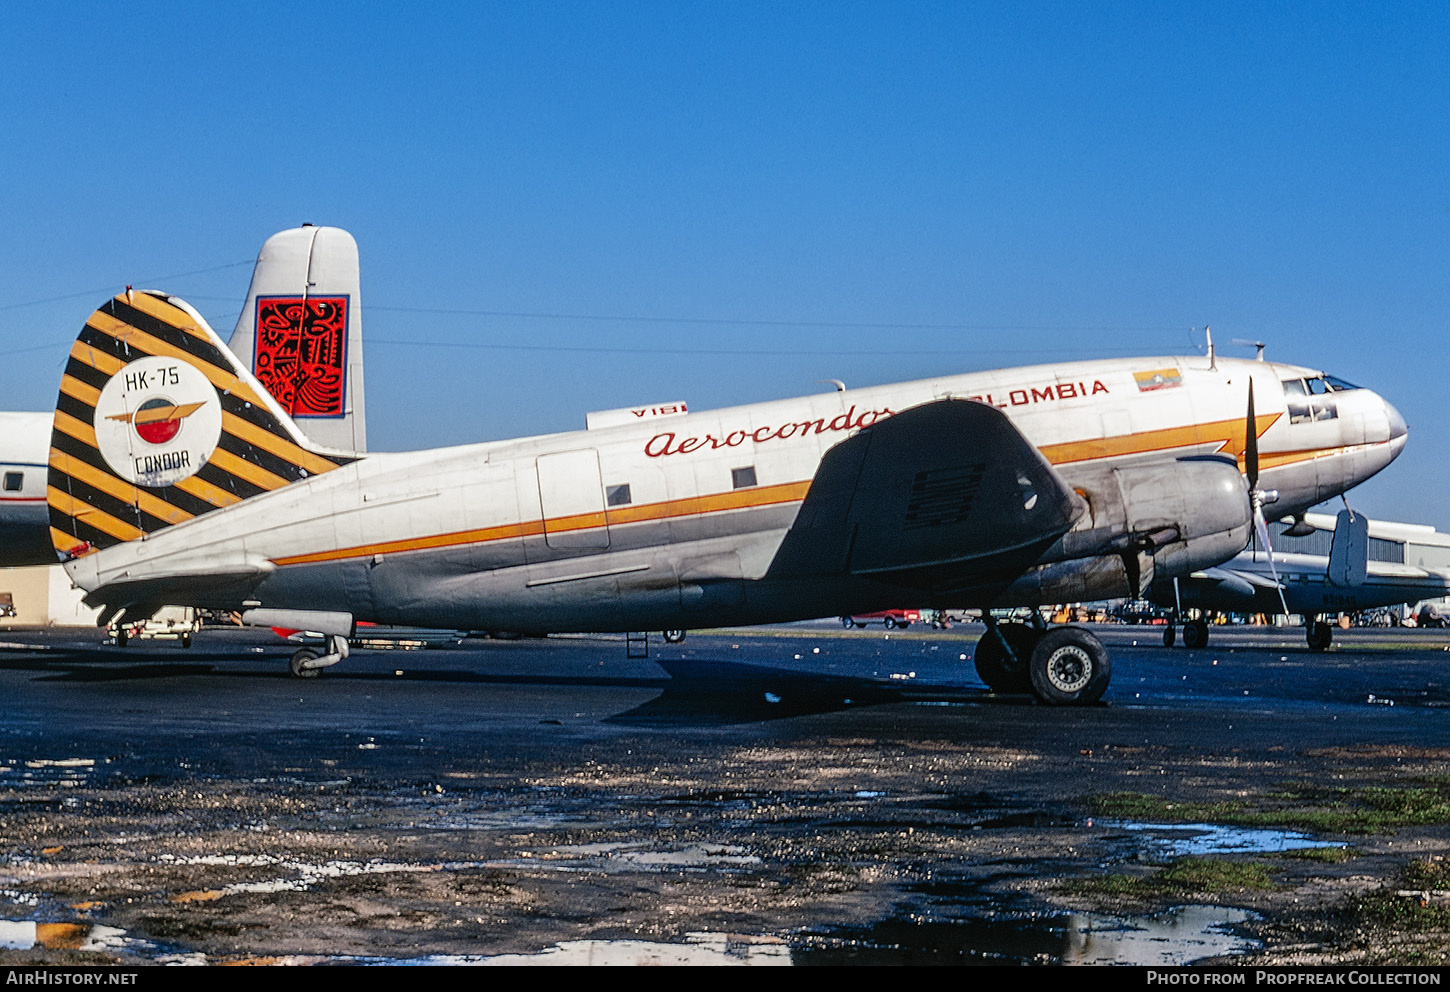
[[300, 332], [1349, 553]]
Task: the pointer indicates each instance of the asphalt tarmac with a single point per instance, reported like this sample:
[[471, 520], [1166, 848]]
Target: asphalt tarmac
[[791, 795]]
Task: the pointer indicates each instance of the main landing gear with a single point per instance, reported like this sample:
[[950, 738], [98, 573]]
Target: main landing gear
[[308, 663], [1318, 634], [1064, 666]]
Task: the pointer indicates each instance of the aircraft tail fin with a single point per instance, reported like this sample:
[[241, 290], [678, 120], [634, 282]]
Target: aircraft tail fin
[[300, 332], [157, 422], [1349, 551]]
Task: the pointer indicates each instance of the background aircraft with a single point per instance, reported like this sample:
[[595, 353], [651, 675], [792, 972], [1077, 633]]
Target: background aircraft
[[300, 332], [1016, 487], [1276, 582]]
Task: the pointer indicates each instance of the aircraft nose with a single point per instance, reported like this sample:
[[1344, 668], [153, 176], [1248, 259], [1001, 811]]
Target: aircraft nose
[[1398, 427]]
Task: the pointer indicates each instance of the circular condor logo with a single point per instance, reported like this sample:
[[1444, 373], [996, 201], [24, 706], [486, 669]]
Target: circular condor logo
[[157, 421]]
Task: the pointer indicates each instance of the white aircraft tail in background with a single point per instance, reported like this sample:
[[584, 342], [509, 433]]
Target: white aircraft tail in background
[[300, 332]]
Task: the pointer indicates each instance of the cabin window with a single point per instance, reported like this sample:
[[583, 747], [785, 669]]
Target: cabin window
[[618, 495], [14, 481], [742, 478]]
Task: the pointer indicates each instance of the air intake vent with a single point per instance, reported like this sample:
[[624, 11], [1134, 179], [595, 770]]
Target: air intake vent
[[941, 497]]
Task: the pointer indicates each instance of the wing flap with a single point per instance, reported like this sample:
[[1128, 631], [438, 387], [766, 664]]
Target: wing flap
[[946, 488]]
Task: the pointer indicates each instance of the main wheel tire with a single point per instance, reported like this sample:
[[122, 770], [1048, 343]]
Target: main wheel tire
[[674, 637], [1319, 635], [304, 655], [1170, 634], [993, 665], [1195, 634], [847, 622], [1069, 667]]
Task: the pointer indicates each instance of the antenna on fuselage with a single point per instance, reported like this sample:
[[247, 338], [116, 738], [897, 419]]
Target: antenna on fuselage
[[1212, 359], [1246, 343]]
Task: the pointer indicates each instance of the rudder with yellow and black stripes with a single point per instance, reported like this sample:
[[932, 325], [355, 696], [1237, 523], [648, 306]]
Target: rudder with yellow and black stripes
[[158, 423]]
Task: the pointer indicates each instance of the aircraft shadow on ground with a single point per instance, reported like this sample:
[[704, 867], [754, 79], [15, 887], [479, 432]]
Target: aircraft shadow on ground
[[696, 692], [723, 692]]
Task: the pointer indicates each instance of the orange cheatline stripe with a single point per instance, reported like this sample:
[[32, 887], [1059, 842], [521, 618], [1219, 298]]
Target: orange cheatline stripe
[[738, 499], [89, 515], [1229, 434], [273, 444], [243, 469], [78, 429], [532, 528], [98, 360], [82, 391], [690, 506], [113, 486]]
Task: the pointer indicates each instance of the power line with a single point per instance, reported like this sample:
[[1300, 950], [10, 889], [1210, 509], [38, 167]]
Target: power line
[[111, 289], [740, 322]]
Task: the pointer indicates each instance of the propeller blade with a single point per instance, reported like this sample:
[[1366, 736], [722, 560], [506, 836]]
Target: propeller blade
[[1251, 443], [1262, 527]]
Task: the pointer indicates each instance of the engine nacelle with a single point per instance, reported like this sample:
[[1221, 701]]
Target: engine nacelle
[[1144, 521], [1082, 581]]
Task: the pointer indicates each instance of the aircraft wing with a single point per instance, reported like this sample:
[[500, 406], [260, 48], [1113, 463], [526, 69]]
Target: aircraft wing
[[938, 492]]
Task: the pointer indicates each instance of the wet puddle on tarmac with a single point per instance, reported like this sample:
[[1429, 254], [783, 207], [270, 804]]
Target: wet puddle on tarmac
[[26, 935], [642, 857], [1166, 841], [70, 772], [1176, 937]]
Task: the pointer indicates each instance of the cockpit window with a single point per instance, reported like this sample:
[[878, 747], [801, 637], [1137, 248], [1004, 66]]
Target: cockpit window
[[1339, 385], [1310, 400]]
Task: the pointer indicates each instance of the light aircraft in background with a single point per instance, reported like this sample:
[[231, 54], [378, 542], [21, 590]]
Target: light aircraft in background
[[176, 478], [300, 332], [1269, 581]]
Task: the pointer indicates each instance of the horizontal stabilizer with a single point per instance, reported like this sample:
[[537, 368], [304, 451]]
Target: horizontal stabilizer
[[938, 491], [142, 597]]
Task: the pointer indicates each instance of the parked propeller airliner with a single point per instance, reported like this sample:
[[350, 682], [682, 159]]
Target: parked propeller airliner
[[1267, 580], [1023, 486]]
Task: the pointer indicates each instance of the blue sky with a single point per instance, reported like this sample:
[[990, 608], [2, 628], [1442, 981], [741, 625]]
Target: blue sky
[[866, 192]]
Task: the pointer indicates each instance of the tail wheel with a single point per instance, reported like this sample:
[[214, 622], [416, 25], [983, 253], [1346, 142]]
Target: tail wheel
[[299, 660], [1069, 667], [674, 636], [1001, 672]]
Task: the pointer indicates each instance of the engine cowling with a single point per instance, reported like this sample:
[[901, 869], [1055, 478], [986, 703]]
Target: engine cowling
[[1144, 521]]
